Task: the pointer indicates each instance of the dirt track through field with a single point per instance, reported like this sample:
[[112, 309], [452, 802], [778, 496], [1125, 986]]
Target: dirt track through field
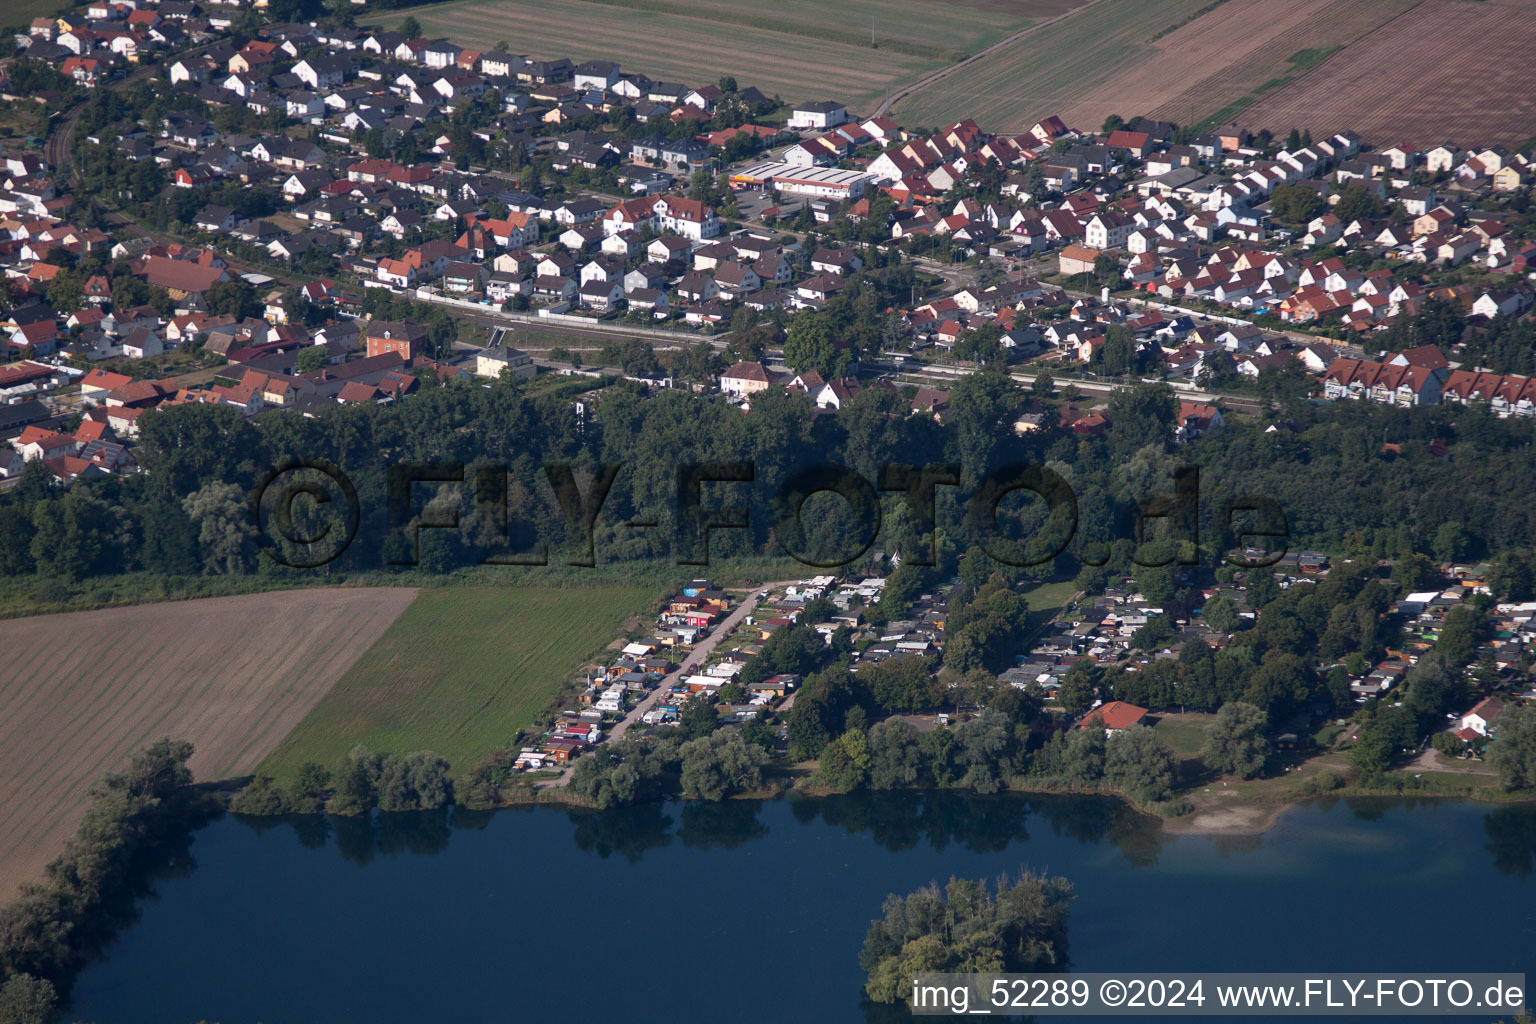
[[81, 692]]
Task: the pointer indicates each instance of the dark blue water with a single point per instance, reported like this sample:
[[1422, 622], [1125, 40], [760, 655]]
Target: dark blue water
[[756, 911]]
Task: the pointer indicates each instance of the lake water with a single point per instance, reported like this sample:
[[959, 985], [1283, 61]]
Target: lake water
[[753, 911]]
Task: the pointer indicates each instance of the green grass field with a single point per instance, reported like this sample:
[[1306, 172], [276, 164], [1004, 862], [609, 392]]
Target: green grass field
[[1185, 733], [460, 672], [19, 13], [1045, 600], [1049, 597], [797, 49]]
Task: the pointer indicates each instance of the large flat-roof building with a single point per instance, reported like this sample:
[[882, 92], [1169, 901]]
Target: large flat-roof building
[[828, 182]]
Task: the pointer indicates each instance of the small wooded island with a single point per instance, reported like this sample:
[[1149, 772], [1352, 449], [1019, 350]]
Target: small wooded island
[[967, 928]]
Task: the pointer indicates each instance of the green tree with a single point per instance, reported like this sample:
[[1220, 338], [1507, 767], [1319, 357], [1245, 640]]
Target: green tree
[[1415, 573], [1295, 204], [1260, 588], [1235, 743], [903, 684], [896, 759], [1513, 752], [419, 781], [261, 797], [76, 535], [1446, 743], [1356, 202], [721, 764], [1075, 695], [698, 717], [812, 343], [354, 785], [1511, 577], [1450, 542], [1281, 685], [1221, 614], [226, 534], [1140, 762], [1139, 415], [626, 772], [234, 298], [1157, 583], [985, 747], [313, 357], [1117, 356], [27, 1000], [1385, 734], [845, 764]]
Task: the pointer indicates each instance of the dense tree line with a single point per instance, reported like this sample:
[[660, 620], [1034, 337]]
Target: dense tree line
[[1336, 490], [1136, 762], [139, 819], [713, 766], [968, 927], [361, 782]]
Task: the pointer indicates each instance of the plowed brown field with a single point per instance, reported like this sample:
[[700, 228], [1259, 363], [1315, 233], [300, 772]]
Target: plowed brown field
[[1447, 70], [81, 692]]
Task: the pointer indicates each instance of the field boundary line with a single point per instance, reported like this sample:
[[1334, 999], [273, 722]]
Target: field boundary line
[[905, 91]]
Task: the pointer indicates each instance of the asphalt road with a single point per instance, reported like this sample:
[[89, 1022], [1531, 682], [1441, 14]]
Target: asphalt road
[[695, 658]]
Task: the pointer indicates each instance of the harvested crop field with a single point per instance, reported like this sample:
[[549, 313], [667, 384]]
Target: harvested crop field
[[461, 672], [1446, 70], [1243, 48], [798, 49], [1186, 61], [1047, 71], [83, 691]]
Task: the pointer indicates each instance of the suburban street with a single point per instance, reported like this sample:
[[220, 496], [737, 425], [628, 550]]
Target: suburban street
[[695, 658]]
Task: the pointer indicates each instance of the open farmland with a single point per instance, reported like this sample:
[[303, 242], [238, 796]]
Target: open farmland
[[1240, 49], [83, 691], [799, 49], [1448, 69], [1179, 60], [460, 672], [1045, 72], [19, 13]]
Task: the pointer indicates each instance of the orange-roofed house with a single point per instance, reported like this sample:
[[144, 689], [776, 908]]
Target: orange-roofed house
[[687, 217], [91, 430], [67, 467], [1113, 717], [1077, 259], [355, 392], [41, 443], [1385, 383], [745, 379], [1196, 418]]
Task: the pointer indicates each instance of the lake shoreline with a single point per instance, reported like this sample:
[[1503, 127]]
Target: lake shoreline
[[1232, 815], [431, 902]]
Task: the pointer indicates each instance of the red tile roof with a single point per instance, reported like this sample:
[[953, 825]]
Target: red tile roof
[[1114, 715]]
